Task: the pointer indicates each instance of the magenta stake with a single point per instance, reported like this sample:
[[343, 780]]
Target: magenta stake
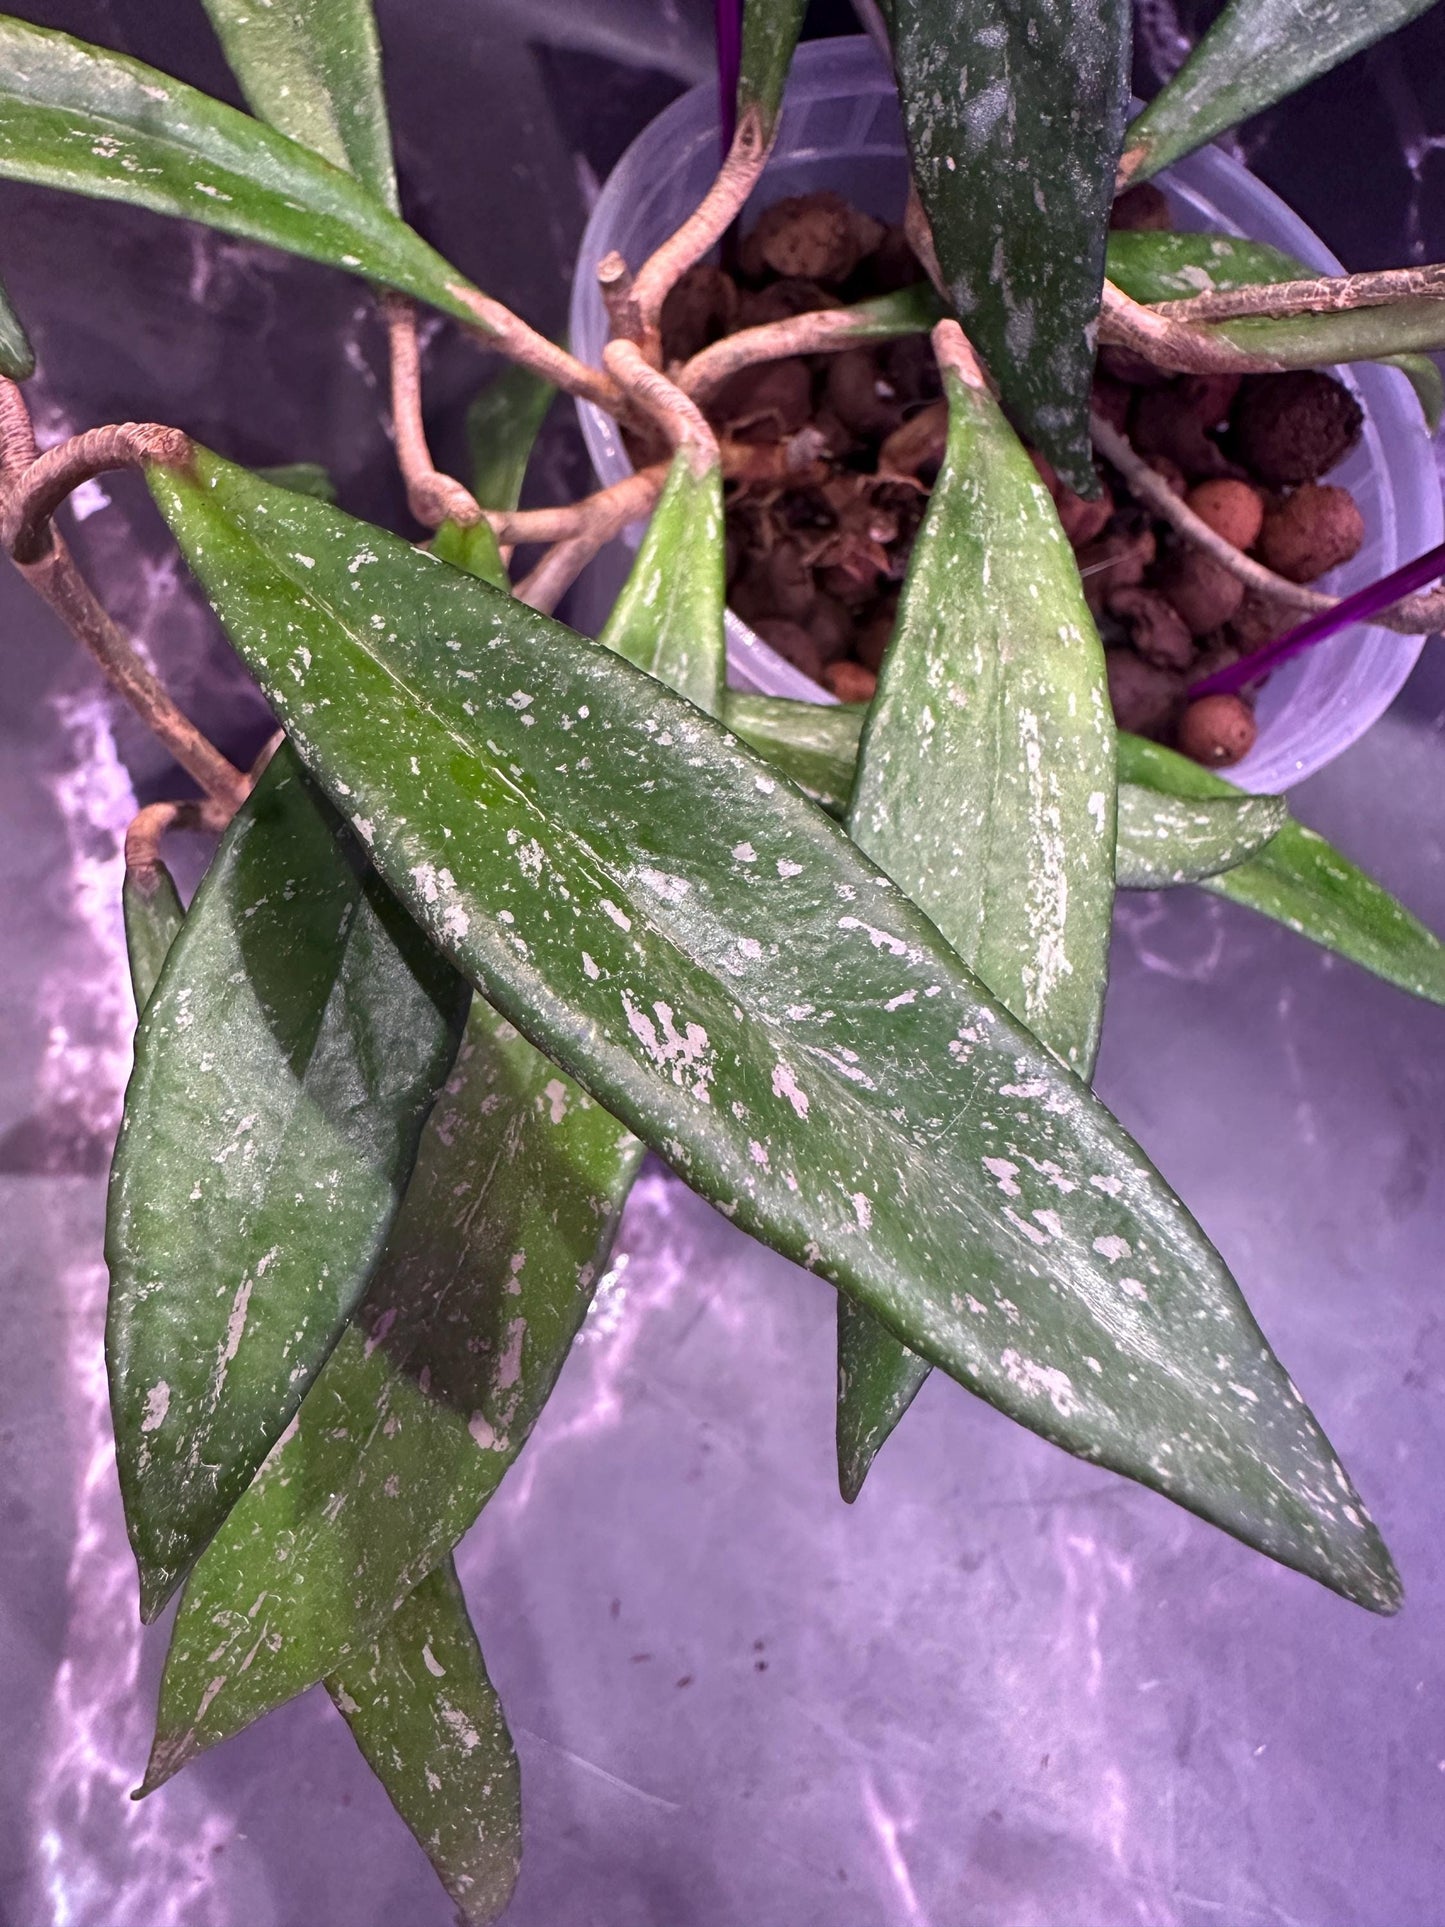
[[1358, 607], [728, 18]]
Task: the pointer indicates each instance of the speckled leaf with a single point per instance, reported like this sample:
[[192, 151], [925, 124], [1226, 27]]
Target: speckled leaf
[[1015, 114], [986, 789], [814, 744], [1174, 267], [502, 426], [153, 917], [471, 547], [1305, 883], [17, 357], [284, 1068], [312, 68], [721, 967], [770, 34], [1255, 53], [431, 1728], [79, 117], [668, 618], [428, 1397], [1165, 839]]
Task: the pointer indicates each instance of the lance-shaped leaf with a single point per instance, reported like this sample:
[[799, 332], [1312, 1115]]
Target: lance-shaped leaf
[[78, 117], [312, 68], [668, 619], [151, 907], [428, 1397], [1174, 267], [508, 1221], [417, 1698], [986, 788], [503, 424], [770, 35], [284, 1067], [1255, 53], [1165, 839], [722, 968], [1305, 883], [431, 1727], [814, 744], [1015, 114], [17, 357]]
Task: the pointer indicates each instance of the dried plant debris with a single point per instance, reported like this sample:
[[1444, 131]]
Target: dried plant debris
[[831, 458]]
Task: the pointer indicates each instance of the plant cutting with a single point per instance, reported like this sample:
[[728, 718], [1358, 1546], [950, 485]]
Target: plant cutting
[[503, 907]]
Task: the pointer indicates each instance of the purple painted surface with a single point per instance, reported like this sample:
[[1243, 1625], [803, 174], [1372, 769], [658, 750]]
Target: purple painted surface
[[1004, 1690]]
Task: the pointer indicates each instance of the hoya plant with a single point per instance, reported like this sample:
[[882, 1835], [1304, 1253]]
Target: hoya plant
[[503, 908]]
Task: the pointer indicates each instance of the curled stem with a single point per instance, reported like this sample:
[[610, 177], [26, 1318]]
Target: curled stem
[[1419, 615], [1320, 294], [608, 514], [703, 228], [33, 493], [149, 826], [1174, 345], [675, 412], [432, 497], [498, 328], [824, 331], [612, 507]]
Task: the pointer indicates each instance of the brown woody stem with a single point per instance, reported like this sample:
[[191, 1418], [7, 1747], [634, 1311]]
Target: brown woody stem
[[432, 497], [1321, 294], [824, 331], [614, 278], [704, 227], [54, 577], [35, 492], [611, 508], [1419, 615], [1174, 345], [498, 328], [149, 826], [676, 413]]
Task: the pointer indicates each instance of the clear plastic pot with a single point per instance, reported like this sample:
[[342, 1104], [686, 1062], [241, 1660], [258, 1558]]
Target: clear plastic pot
[[841, 128]]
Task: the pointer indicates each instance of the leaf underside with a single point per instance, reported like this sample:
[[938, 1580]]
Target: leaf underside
[[284, 1067], [312, 69], [92, 122], [626, 883], [17, 357], [1015, 115], [1255, 53]]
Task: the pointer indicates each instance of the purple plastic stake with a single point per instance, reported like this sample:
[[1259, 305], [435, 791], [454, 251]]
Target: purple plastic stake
[[728, 18], [1358, 607]]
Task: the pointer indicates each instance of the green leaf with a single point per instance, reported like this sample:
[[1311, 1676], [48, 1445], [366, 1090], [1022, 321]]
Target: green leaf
[[1255, 53], [814, 744], [1015, 114], [770, 34], [78, 117], [17, 357], [303, 478], [283, 1070], [471, 547], [668, 619], [629, 885], [430, 1394], [986, 790], [1305, 883], [312, 68], [431, 1728], [1175, 267], [1165, 840], [153, 918], [503, 424]]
